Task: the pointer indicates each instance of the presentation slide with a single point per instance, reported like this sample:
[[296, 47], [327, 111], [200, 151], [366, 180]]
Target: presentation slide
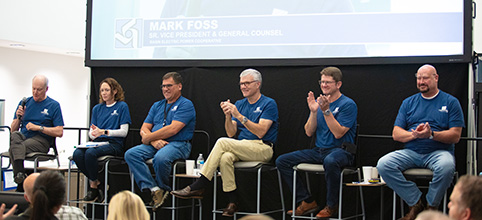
[[274, 29]]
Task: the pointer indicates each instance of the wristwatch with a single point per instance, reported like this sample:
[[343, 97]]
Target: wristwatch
[[41, 129], [244, 120], [327, 112], [106, 132], [431, 136]]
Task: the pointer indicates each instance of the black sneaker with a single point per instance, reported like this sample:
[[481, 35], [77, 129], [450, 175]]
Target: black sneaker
[[92, 195], [100, 197], [19, 178]]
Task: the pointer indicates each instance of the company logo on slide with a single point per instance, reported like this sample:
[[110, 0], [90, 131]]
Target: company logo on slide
[[127, 33]]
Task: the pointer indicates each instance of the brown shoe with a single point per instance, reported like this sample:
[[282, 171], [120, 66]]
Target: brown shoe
[[187, 193], [230, 209], [414, 211], [158, 198], [327, 212], [304, 208]]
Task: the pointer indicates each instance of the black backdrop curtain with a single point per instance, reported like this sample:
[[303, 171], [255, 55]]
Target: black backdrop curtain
[[378, 91]]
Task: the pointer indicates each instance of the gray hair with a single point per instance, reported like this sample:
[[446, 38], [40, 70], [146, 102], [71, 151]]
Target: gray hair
[[255, 73], [43, 78]]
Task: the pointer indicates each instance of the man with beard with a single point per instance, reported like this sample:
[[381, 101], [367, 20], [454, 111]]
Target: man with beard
[[429, 123], [333, 120], [256, 118]]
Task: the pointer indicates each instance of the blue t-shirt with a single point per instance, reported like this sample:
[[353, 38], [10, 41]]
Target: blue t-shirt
[[345, 112], [264, 108], [111, 118], [442, 113], [46, 113], [162, 114]]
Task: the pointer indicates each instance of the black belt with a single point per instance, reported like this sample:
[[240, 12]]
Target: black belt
[[268, 143]]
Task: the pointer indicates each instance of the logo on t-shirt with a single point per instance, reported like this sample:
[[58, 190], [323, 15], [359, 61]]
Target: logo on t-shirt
[[174, 108], [337, 109], [114, 113], [45, 112], [444, 109], [258, 110]]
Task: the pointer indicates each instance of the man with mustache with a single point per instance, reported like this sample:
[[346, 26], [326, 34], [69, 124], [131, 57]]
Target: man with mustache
[[429, 123]]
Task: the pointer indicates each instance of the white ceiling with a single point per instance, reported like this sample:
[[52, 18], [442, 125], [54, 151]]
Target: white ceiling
[[52, 26]]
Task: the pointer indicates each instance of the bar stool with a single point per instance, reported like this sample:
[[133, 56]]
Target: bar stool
[[200, 143], [419, 174], [319, 169], [252, 166], [104, 162], [36, 157]]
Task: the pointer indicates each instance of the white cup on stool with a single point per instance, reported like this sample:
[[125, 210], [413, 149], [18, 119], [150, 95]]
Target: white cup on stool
[[190, 167], [367, 173]]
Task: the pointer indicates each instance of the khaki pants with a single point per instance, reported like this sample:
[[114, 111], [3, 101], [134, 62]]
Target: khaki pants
[[226, 151]]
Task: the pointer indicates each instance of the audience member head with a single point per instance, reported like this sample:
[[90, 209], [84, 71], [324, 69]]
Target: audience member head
[[432, 215], [28, 184], [256, 217], [40, 85], [115, 89], [126, 205], [48, 195], [466, 199]]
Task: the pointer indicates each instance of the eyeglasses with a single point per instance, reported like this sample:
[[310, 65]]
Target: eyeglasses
[[167, 86], [246, 83], [325, 82]]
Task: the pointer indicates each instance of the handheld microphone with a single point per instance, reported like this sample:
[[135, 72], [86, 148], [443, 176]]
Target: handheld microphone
[[24, 101]]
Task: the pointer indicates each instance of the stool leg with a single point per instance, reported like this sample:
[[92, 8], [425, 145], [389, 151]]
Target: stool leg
[[281, 195], [214, 194], [258, 193], [106, 179], [394, 213], [294, 195], [68, 182]]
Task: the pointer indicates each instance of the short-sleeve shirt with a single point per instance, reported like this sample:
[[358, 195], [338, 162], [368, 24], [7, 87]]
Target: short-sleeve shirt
[[111, 118], [162, 114], [45, 113], [441, 112], [264, 108], [345, 112]]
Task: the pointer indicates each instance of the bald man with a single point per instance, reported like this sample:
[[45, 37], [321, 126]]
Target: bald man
[[429, 124], [65, 212], [36, 123]]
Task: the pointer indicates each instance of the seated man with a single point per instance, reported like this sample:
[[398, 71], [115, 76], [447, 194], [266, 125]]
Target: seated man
[[165, 138], [466, 199], [256, 116], [39, 119], [429, 123], [333, 120]]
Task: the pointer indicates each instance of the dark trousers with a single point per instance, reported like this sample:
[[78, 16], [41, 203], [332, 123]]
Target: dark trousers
[[333, 160]]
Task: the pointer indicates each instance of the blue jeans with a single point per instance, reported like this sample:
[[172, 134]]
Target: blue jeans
[[86, 158], [441, 162], [333, 159], [162, 160]]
